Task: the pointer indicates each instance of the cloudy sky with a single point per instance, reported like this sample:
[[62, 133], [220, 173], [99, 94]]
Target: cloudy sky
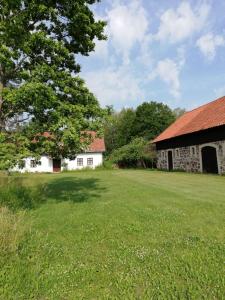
[[168, 51]]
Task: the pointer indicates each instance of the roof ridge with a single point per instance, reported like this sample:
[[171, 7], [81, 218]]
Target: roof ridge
[[211, 102], [209, 115]]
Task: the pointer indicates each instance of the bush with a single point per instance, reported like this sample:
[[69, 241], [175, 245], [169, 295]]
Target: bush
[[107, 165], [12, 230], [138, 153]]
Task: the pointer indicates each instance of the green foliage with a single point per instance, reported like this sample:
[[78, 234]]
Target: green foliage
[[107, 165], [16, 196], [13, 147], [12, 231], [118, 129], [118, 234], [151, 119], [147, 121], [137, 153], [178, 112], [39, 88]]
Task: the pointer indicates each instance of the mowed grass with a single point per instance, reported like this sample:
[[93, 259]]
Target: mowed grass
[[121, 234]]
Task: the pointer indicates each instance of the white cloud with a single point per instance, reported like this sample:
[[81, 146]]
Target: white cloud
[[181, 23], [113, 86], [127, 26], [101, 50], [209, 43], [117, 81], [168, 71]]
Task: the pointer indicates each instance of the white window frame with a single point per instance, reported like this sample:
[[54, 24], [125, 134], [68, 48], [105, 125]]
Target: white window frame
[[88, 161], [34, 163], [80, 162]]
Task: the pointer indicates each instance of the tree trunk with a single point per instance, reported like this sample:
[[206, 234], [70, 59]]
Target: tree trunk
[[143, 163], [1, 97]]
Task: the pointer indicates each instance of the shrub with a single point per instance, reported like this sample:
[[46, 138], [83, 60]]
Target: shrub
[[138, 153], [107, 165]]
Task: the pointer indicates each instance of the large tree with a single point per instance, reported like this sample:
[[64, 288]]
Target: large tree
[[151, 119], [39, 87], [118, 129]]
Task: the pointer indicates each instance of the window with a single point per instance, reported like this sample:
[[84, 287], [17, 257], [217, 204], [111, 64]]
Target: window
[[34, 163], [193, 151], [177, 153], [22, 164], [80, 161], [90, 161], [163, 154]]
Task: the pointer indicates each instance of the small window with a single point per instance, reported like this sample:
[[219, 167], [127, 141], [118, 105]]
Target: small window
[[177, 153], [193, 151], [90, 161], [34, 163], [163, 154], [22, 164], [80, 161]]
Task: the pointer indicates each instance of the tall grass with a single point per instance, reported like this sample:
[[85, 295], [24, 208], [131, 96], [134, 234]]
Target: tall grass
[[12, 230], [16, 195], [15, 199]]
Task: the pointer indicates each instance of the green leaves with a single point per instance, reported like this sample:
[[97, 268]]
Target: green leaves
[[13, 148], [151, 119], [137, 153], [39, 88], [147, 121]]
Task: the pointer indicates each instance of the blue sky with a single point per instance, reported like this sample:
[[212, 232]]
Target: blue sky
[[167, 51]]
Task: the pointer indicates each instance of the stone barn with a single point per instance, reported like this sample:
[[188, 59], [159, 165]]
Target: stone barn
[[195, 142]]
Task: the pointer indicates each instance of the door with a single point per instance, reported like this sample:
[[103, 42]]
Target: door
[[56, 165], [170, 160], [209, 160]]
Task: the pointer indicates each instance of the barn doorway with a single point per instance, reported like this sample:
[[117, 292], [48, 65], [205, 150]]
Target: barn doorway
[[209, 160], [56, 165], [170, 160]]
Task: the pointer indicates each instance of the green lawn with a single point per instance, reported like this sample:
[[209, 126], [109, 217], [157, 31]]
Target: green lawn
[[125, 234]]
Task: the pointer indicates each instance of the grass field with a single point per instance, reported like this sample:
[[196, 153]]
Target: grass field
[[125, 234]]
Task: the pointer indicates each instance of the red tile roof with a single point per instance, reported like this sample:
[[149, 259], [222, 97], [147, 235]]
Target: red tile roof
[[97, 144], [204, 117]]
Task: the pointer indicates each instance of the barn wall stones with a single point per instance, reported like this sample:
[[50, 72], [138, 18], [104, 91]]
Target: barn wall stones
[[189, 158]]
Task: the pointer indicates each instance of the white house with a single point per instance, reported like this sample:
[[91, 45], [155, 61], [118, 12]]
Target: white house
[[91, 158]]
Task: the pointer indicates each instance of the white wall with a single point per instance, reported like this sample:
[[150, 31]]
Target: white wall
[[47, 164], [97, 161]]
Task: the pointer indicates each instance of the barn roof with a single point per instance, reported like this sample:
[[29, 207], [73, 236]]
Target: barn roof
[[204, 117]]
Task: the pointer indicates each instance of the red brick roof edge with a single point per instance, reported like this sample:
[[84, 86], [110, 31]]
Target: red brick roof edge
[[204, 117]]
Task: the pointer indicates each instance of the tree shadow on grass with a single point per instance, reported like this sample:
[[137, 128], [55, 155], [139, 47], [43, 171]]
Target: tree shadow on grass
[[16, 195], [73, 189]]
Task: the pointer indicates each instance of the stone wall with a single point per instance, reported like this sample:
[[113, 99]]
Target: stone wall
[[189, 158]]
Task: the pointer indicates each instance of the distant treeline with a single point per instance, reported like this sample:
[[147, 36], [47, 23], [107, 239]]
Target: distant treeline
[[128, 133]]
